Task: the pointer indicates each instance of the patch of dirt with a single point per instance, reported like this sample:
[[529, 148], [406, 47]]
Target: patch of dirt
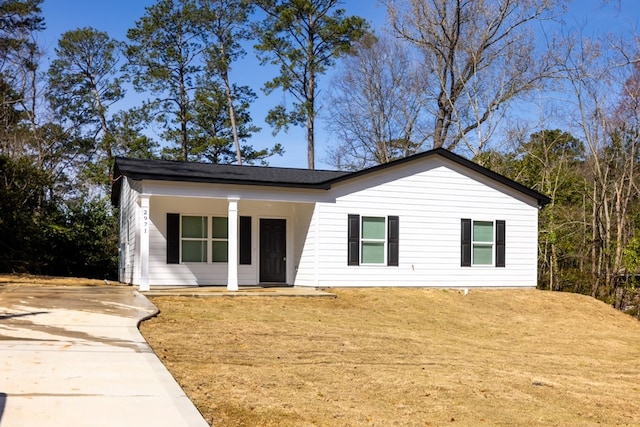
[[397, 357], [33, 280], [91, 295]]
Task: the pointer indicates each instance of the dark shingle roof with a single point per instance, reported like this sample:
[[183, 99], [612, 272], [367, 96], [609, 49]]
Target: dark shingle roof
[[165, 170]]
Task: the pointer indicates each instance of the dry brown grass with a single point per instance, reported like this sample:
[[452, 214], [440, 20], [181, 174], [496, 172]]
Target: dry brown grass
[[403, 357], [34, 280]]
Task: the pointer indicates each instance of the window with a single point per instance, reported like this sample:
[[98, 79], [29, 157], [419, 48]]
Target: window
[[482, 241], [190, 238], [374, 240], [220, 239], [481, 245], [194, 238]]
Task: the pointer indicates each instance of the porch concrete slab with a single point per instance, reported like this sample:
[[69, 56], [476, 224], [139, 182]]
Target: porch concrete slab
[[244, 291], [73, 356]]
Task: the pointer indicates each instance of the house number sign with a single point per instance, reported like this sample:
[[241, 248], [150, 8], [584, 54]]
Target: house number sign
[[145, 220]]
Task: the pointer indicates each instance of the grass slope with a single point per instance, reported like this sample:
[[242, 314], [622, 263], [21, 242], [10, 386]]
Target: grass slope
[[396, 357]]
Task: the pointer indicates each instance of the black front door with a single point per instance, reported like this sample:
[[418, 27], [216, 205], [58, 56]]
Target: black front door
[[273, 250]]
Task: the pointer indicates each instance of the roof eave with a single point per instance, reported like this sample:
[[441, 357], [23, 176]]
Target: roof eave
[[328, 184], [223, 181]]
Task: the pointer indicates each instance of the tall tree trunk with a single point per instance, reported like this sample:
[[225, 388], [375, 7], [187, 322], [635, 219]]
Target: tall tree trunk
[[310, 144], [553, 268], [232, 117], [605, 225], [184, 138], [106, 141], [183, 134], [232, 111], [311, 108], [594, 248]]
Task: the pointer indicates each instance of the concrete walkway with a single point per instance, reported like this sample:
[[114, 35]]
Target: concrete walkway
[[73, 356]]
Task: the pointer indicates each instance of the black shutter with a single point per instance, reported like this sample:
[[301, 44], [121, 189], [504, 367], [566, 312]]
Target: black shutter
[[465, 258], [245, 240], [393, 239], [500, 243], [353, 235], [173, 238]]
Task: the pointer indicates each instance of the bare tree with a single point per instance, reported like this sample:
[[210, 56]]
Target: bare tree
[[377, 105], [478, 56], [548, 162], [608, 120]]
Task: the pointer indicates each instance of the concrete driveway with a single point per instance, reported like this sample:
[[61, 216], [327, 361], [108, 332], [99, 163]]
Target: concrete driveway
[[73, 356]]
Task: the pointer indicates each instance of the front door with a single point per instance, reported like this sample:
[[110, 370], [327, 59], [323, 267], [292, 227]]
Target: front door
[[273, 250]]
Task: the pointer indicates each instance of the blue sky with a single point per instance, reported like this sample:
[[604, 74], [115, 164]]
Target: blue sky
[[117, 16]]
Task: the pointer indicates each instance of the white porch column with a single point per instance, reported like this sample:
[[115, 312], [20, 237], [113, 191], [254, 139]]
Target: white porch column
[[232, 235], [144, 242], [316, 239]]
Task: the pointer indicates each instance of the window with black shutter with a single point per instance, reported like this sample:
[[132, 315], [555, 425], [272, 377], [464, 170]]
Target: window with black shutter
[[482, 243], [373, 240]]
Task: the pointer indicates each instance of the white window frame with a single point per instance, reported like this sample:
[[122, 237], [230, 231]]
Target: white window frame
[[209, 239], [219, 239], [492, 244], [385, 241], [195, 239]]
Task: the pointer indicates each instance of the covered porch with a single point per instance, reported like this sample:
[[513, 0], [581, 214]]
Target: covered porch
[[230, 243]]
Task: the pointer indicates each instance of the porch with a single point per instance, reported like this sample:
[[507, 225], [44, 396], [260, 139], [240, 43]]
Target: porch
[[237, 244]]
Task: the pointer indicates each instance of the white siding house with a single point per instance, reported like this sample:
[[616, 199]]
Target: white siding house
[[434, 219]]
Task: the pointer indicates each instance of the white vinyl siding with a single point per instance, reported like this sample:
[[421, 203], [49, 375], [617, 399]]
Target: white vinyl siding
[[429, 198], [307, 237], [129, 247]]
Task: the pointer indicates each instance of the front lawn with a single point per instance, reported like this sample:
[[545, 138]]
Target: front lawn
[[403, 357]]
